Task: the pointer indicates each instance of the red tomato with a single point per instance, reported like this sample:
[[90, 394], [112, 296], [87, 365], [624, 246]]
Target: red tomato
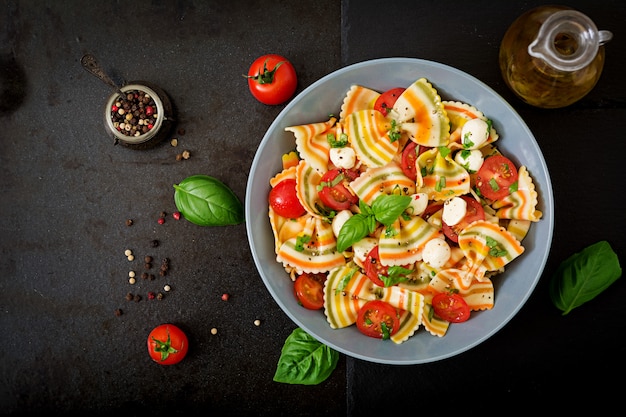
[[409, 156], [374, 315], [167, 344], [309, 289], [387, 99], [495, 176], [474, 212], [373, 267], [451, 307], [334, 193], [272, 79], [284, 200]]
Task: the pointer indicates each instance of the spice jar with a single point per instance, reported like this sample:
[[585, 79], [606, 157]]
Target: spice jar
[[140, 117], [552, 56]]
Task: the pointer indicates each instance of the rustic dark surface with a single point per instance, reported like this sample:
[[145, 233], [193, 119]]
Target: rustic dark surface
[[67, 192]]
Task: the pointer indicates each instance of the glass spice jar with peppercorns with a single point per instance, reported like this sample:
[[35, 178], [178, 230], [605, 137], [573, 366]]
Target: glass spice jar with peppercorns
[[140, 117]]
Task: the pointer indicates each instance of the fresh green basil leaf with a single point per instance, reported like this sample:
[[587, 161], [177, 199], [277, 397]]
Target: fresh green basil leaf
[[304, 360], [206, 201], [387, 208], [584, 275], [353, 230]]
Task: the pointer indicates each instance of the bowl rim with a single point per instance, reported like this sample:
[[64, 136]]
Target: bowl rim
[[546, 202]]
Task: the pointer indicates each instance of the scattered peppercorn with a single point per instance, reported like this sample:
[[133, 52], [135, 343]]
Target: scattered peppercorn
[[174, 142], [154, 243], [129, 222], [151, 295], [147, 259], [118, 312], [161, 220], [162, 214], [186, 154], [128, 252], [257, 322], [130, 257], [166, 288], [144, 275], [176, 215], [151, 277], [214, 331], [131, 281], [159, 296], [181, 131], [179, 157], [129, 297], [131, 274], [137, 298], [225, 297]]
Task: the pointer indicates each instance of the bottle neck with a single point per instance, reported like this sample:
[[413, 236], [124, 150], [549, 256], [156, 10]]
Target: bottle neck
[[568, 41]]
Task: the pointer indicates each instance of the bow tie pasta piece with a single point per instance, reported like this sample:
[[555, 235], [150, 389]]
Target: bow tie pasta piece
[[442, 177], [388, 179], [312, 144], [520, 204], [421, 114], [488, 247], [358, 98], [479, 295], [314, 250], [345, 291], [405, 241], [307, 180], [368, 133], [460, 113]]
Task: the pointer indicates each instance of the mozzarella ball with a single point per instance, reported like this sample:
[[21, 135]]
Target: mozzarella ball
[[436, 252], [454, 210], [343, 157], [474, 133], [471, 160], [419, 202], [339, 220]]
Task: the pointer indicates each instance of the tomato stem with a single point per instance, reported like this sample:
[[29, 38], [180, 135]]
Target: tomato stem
[[265, 77], [164, 348]]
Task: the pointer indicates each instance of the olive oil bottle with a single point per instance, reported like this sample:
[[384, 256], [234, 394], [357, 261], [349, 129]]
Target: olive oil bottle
[[552, 56]]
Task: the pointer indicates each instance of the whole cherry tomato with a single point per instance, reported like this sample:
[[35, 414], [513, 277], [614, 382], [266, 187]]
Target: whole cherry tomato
[[167, 344], [283, 199], [272, 79]]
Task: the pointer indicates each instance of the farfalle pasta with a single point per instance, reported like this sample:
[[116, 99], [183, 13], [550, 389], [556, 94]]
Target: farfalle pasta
[[462, 217]]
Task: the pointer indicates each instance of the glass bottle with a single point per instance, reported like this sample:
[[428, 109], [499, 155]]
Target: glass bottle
[[552, 56]]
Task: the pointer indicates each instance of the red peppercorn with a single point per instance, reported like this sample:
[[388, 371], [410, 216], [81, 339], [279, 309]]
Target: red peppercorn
[[225, 297], [176, 215], [114, 108], [149, 110], [161, 220], [151, 295], [150, 125]]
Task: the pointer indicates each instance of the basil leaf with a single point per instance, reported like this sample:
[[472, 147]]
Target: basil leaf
[[353, 230], [304, 360], [583, 276], [387, 208], [206, 201]]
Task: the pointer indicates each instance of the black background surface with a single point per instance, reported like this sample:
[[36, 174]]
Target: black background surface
[[67, 192]]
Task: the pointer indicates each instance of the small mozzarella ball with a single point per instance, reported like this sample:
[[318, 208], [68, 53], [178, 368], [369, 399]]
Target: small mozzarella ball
[[454, 210], [343, 157], [363, 247], [436, 252], [471, 160], [339, 220], [419, 202], [474, 133]]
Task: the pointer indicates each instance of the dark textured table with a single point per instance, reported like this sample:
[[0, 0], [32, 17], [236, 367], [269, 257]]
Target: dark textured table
[[67, 193]]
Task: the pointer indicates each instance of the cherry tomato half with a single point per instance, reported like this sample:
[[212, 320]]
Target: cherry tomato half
[[309, 289], [495, 176], [378, 319], [474, 212], [387, 99], [451, 307], [373, 267], [167, 344], [272, 79], [284, 200], [334, 193]]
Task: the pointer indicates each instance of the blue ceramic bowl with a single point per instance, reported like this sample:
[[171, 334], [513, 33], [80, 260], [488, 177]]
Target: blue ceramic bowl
[[324, 97]]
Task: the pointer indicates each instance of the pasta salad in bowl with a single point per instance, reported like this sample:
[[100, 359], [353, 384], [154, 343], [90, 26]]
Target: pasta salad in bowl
[[399, 211]]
